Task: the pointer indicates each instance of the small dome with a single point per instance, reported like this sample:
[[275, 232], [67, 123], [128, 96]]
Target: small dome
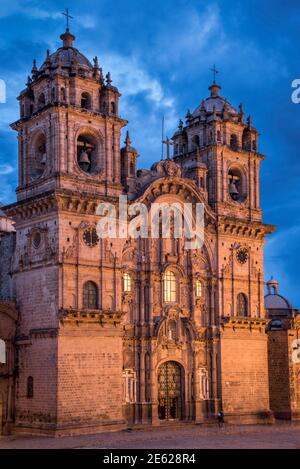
[[276, 302], [273, 300], [67, 56], [214, 103]]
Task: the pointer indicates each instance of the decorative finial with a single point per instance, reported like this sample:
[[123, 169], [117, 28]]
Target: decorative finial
[[249, 122], [68, 17], [48, 53], [108, 79], [225, 110], [34, 68], [188, 115], [96, 67], [127, 140], [29, 80], [101, 75], [180, 125], [241, 113], [96, 64]]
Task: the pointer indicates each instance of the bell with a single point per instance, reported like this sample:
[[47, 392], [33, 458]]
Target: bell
[[84, 157], [44, 159], [233, 189]]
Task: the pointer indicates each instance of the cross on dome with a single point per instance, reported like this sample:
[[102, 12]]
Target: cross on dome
[[68, 17]]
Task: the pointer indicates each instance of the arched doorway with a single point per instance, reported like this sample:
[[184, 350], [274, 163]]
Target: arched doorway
[[170, 391]]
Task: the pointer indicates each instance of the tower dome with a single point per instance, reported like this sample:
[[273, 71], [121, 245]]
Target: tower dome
[[67, 58], [274, 301], [215, 103]]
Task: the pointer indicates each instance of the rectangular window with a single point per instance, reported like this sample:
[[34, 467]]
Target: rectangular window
[[170, 288]]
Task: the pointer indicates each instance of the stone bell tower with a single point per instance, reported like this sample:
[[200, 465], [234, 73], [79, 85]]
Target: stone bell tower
[[69, 161], [69, 126], [219, 150]]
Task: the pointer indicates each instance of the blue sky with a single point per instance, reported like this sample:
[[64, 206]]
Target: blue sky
[[160, 54]]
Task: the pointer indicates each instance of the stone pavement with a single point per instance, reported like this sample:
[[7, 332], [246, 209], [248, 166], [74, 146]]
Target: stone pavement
[[179, 437]]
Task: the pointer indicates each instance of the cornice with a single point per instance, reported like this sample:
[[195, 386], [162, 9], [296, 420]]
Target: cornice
[[247, 229], [91, 316]]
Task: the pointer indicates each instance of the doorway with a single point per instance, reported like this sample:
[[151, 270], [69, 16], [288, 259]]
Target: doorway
[[170, 391]]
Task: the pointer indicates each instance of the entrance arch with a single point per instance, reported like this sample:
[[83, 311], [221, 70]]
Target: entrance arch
[[170, 391]]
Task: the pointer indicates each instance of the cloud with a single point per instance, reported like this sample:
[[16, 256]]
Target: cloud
[[143, 103], [32, 10], [190, 34], [133, 79], [6, 169]]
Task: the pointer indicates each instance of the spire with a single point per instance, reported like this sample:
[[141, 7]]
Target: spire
[[34, 69], [96, 67], [108, 79], [241, 113], [127, 140]]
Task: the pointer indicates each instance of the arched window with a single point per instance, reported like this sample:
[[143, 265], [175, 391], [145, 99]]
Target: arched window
[[2, 352], [90, 296], [88, 153], [63, 94], [170, 287], [246, 140], [195, 142], [53, 94], [29, 387], [234, 142], [85, 101], [219, 136], [198, 289], [254, 145], [235, 185], [41, 100], [127, 283], [113, 107], [242, 305]]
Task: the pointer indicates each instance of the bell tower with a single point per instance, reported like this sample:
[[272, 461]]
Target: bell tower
[[219, 151], [69, 127], [69, 161]]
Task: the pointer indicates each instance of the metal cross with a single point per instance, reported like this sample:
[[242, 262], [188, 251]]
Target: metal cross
[[215, 72], [169, 143], [68, 16]]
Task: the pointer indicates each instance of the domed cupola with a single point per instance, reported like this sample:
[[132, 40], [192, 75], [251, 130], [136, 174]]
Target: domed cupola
[[67, 61], [275, 303], [215, 104]]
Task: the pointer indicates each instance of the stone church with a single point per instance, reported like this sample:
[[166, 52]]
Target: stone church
[[105, 334]]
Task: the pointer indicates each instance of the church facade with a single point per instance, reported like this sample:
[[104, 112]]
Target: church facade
[[101, 334]]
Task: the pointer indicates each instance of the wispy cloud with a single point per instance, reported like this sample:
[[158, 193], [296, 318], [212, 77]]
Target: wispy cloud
[[32, 9], [6, 169]]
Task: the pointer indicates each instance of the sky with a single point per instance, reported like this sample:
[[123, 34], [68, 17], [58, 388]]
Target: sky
[[160, 55]]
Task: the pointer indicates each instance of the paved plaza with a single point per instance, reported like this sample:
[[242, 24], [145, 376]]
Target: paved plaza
[[281, 436]]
